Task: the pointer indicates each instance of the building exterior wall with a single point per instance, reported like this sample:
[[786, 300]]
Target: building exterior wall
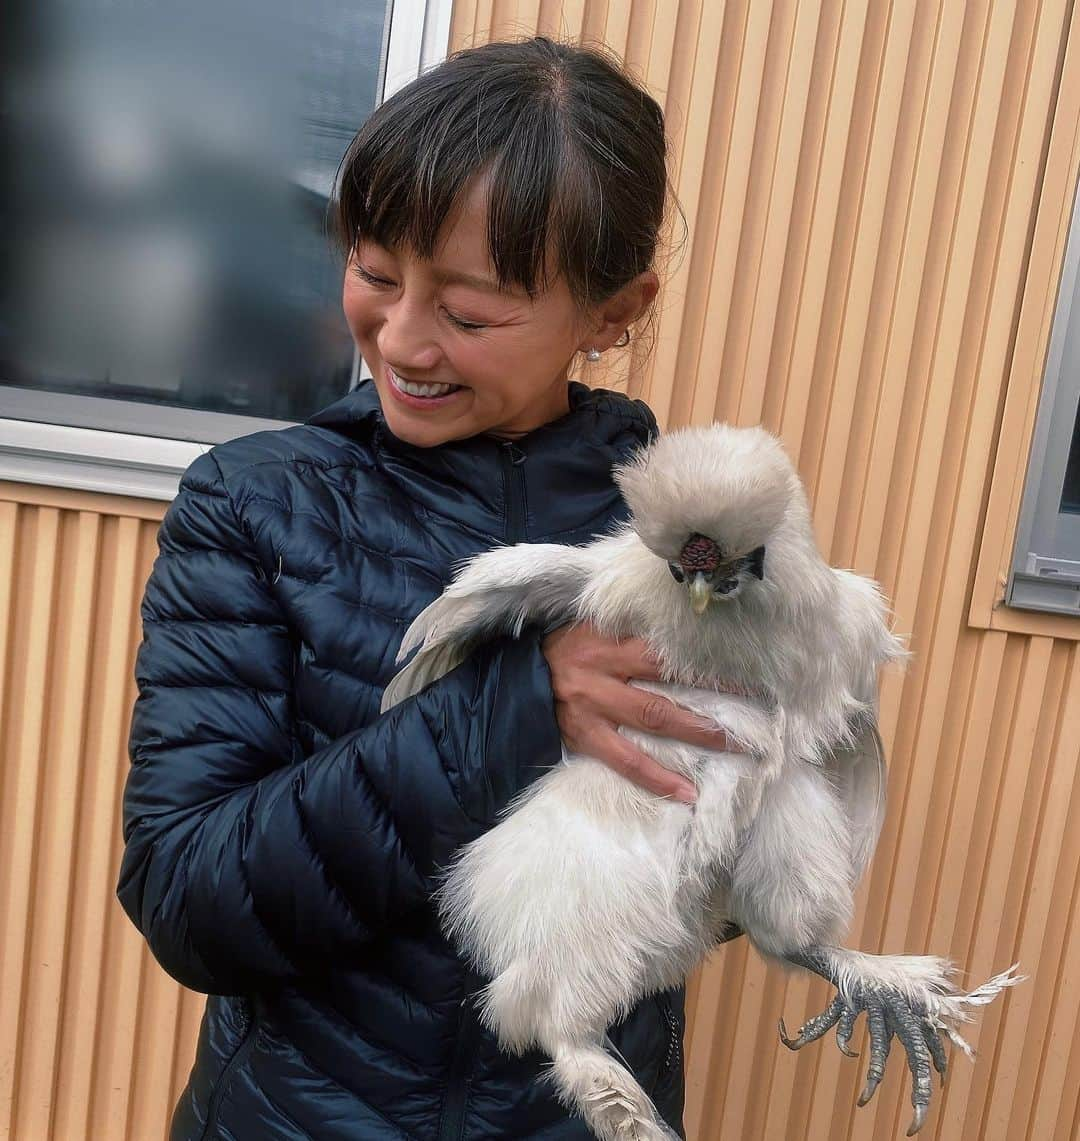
[[877, 197]]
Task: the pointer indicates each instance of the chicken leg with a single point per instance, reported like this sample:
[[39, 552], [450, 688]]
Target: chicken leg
[[909, 996]]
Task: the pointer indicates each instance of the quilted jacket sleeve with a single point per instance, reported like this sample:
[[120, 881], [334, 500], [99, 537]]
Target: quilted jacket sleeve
[[244, 865]]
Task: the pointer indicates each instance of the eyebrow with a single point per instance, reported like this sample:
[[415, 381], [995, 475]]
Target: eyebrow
[[454, 277], [476, 280]]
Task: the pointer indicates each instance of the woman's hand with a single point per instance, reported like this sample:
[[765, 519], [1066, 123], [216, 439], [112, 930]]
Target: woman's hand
[[589, 677]]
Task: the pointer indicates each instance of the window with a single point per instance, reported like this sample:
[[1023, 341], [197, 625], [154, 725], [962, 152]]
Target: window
[[1045, 572], [170, 279]]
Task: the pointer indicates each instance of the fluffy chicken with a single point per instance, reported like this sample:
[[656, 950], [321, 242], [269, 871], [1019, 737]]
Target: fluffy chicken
[[592, 892]]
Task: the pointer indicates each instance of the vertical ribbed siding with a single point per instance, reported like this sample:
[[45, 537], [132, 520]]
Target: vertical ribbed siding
[[860, 182], [91, 1041]]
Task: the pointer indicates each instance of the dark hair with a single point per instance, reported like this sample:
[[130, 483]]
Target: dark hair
[[575, 149]]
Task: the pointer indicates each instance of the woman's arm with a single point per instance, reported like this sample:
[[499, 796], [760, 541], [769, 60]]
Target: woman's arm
[[243, 868]]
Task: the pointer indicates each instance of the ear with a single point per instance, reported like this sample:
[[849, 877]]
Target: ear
[[611, 317]]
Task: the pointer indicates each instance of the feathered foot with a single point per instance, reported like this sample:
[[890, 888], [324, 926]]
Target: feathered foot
[[607, 1095], [910, 996]]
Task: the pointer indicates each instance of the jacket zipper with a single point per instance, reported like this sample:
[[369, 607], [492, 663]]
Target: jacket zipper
[[455, 1103], [452, 1119], [513, 489], [671, 1058], [240, 1054]]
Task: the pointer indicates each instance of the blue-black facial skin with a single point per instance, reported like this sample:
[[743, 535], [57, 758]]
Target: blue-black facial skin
[[754, 562]]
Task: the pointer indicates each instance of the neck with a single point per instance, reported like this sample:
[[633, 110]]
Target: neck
[[555, 408]]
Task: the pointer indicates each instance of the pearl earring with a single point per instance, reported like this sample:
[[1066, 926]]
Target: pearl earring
[[593, 355]]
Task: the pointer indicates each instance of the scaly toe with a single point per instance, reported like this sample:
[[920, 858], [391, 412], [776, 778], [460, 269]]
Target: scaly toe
[[844, 1029]]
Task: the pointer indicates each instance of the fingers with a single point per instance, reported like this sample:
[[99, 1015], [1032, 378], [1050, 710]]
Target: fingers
[[652, 713], [622, 658], [589, 675], [634, 658], [605, 744]]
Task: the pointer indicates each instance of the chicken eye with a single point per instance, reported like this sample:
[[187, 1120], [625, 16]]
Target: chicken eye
[[676, 572]]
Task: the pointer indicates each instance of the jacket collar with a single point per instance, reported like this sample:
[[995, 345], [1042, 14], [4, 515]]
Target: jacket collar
[[554, 480]]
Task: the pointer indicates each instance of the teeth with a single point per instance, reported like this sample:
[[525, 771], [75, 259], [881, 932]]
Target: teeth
[[420, 389]]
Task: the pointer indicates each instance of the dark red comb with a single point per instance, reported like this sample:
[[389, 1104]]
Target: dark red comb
[[699, 553]]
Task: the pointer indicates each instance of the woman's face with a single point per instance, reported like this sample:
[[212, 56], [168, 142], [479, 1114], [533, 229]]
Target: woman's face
[[444, 322]]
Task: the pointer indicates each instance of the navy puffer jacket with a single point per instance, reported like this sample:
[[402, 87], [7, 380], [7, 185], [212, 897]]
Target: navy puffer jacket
[[282, 838]]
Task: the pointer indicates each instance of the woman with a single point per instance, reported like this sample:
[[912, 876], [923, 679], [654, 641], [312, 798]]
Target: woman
[[282, 839]]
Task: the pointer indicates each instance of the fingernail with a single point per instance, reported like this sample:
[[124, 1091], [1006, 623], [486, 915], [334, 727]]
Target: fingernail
[[686, 794]]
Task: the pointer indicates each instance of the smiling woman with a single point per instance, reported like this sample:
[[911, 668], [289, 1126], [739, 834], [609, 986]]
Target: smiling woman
[[451, 353], [283, 840], [492, 235]]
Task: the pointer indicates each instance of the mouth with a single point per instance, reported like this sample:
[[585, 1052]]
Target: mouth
[[416, 395], [703, 591]]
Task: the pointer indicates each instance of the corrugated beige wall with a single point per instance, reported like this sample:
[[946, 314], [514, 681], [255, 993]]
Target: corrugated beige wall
[[878, 197], [94, 1037]]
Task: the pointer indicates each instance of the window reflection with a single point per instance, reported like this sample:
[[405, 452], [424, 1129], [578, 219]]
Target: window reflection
[[165, 221], [1070, 492]]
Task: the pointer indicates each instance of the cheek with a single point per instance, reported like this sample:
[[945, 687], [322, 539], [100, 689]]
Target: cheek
[[503, 377], [360, 312]]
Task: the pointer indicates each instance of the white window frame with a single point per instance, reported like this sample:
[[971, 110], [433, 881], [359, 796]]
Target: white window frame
[[1045, 569], [126, 460]]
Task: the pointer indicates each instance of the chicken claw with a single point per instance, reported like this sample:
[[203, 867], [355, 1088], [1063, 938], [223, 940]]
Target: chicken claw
[[911, 997], [888, 1013], [812, 1030], [907, 997]]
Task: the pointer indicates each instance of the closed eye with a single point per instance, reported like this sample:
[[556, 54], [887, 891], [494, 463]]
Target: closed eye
[[468, 326], [370, 278], [382, 283]]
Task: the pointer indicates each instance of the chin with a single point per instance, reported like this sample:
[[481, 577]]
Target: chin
[[421, 431], [419, 435]]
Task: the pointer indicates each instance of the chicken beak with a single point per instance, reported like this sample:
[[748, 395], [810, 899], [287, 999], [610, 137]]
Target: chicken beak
[[700, 592]]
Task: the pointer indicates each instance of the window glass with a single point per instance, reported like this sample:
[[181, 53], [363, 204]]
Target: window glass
[[1070, 492], [165, 209], [1045, 572]]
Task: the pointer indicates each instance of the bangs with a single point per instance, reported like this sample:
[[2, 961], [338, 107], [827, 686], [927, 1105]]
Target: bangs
[[414, 159]]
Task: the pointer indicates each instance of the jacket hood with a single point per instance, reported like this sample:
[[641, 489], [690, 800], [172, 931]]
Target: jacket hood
[[558, 474]]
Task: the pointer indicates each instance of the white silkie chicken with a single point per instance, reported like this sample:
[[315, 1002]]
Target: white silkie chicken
[[592, 892]]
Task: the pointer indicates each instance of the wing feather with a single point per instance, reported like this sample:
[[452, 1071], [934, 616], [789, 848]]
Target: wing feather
[[859, 775], [497, 592]]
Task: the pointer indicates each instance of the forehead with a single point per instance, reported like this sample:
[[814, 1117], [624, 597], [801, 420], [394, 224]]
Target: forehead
[[463, 247], [462, 254]]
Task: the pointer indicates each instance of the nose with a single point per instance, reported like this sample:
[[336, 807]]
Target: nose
[[407, 339]]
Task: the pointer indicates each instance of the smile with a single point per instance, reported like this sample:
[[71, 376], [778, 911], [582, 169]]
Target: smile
[[427, 391]]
